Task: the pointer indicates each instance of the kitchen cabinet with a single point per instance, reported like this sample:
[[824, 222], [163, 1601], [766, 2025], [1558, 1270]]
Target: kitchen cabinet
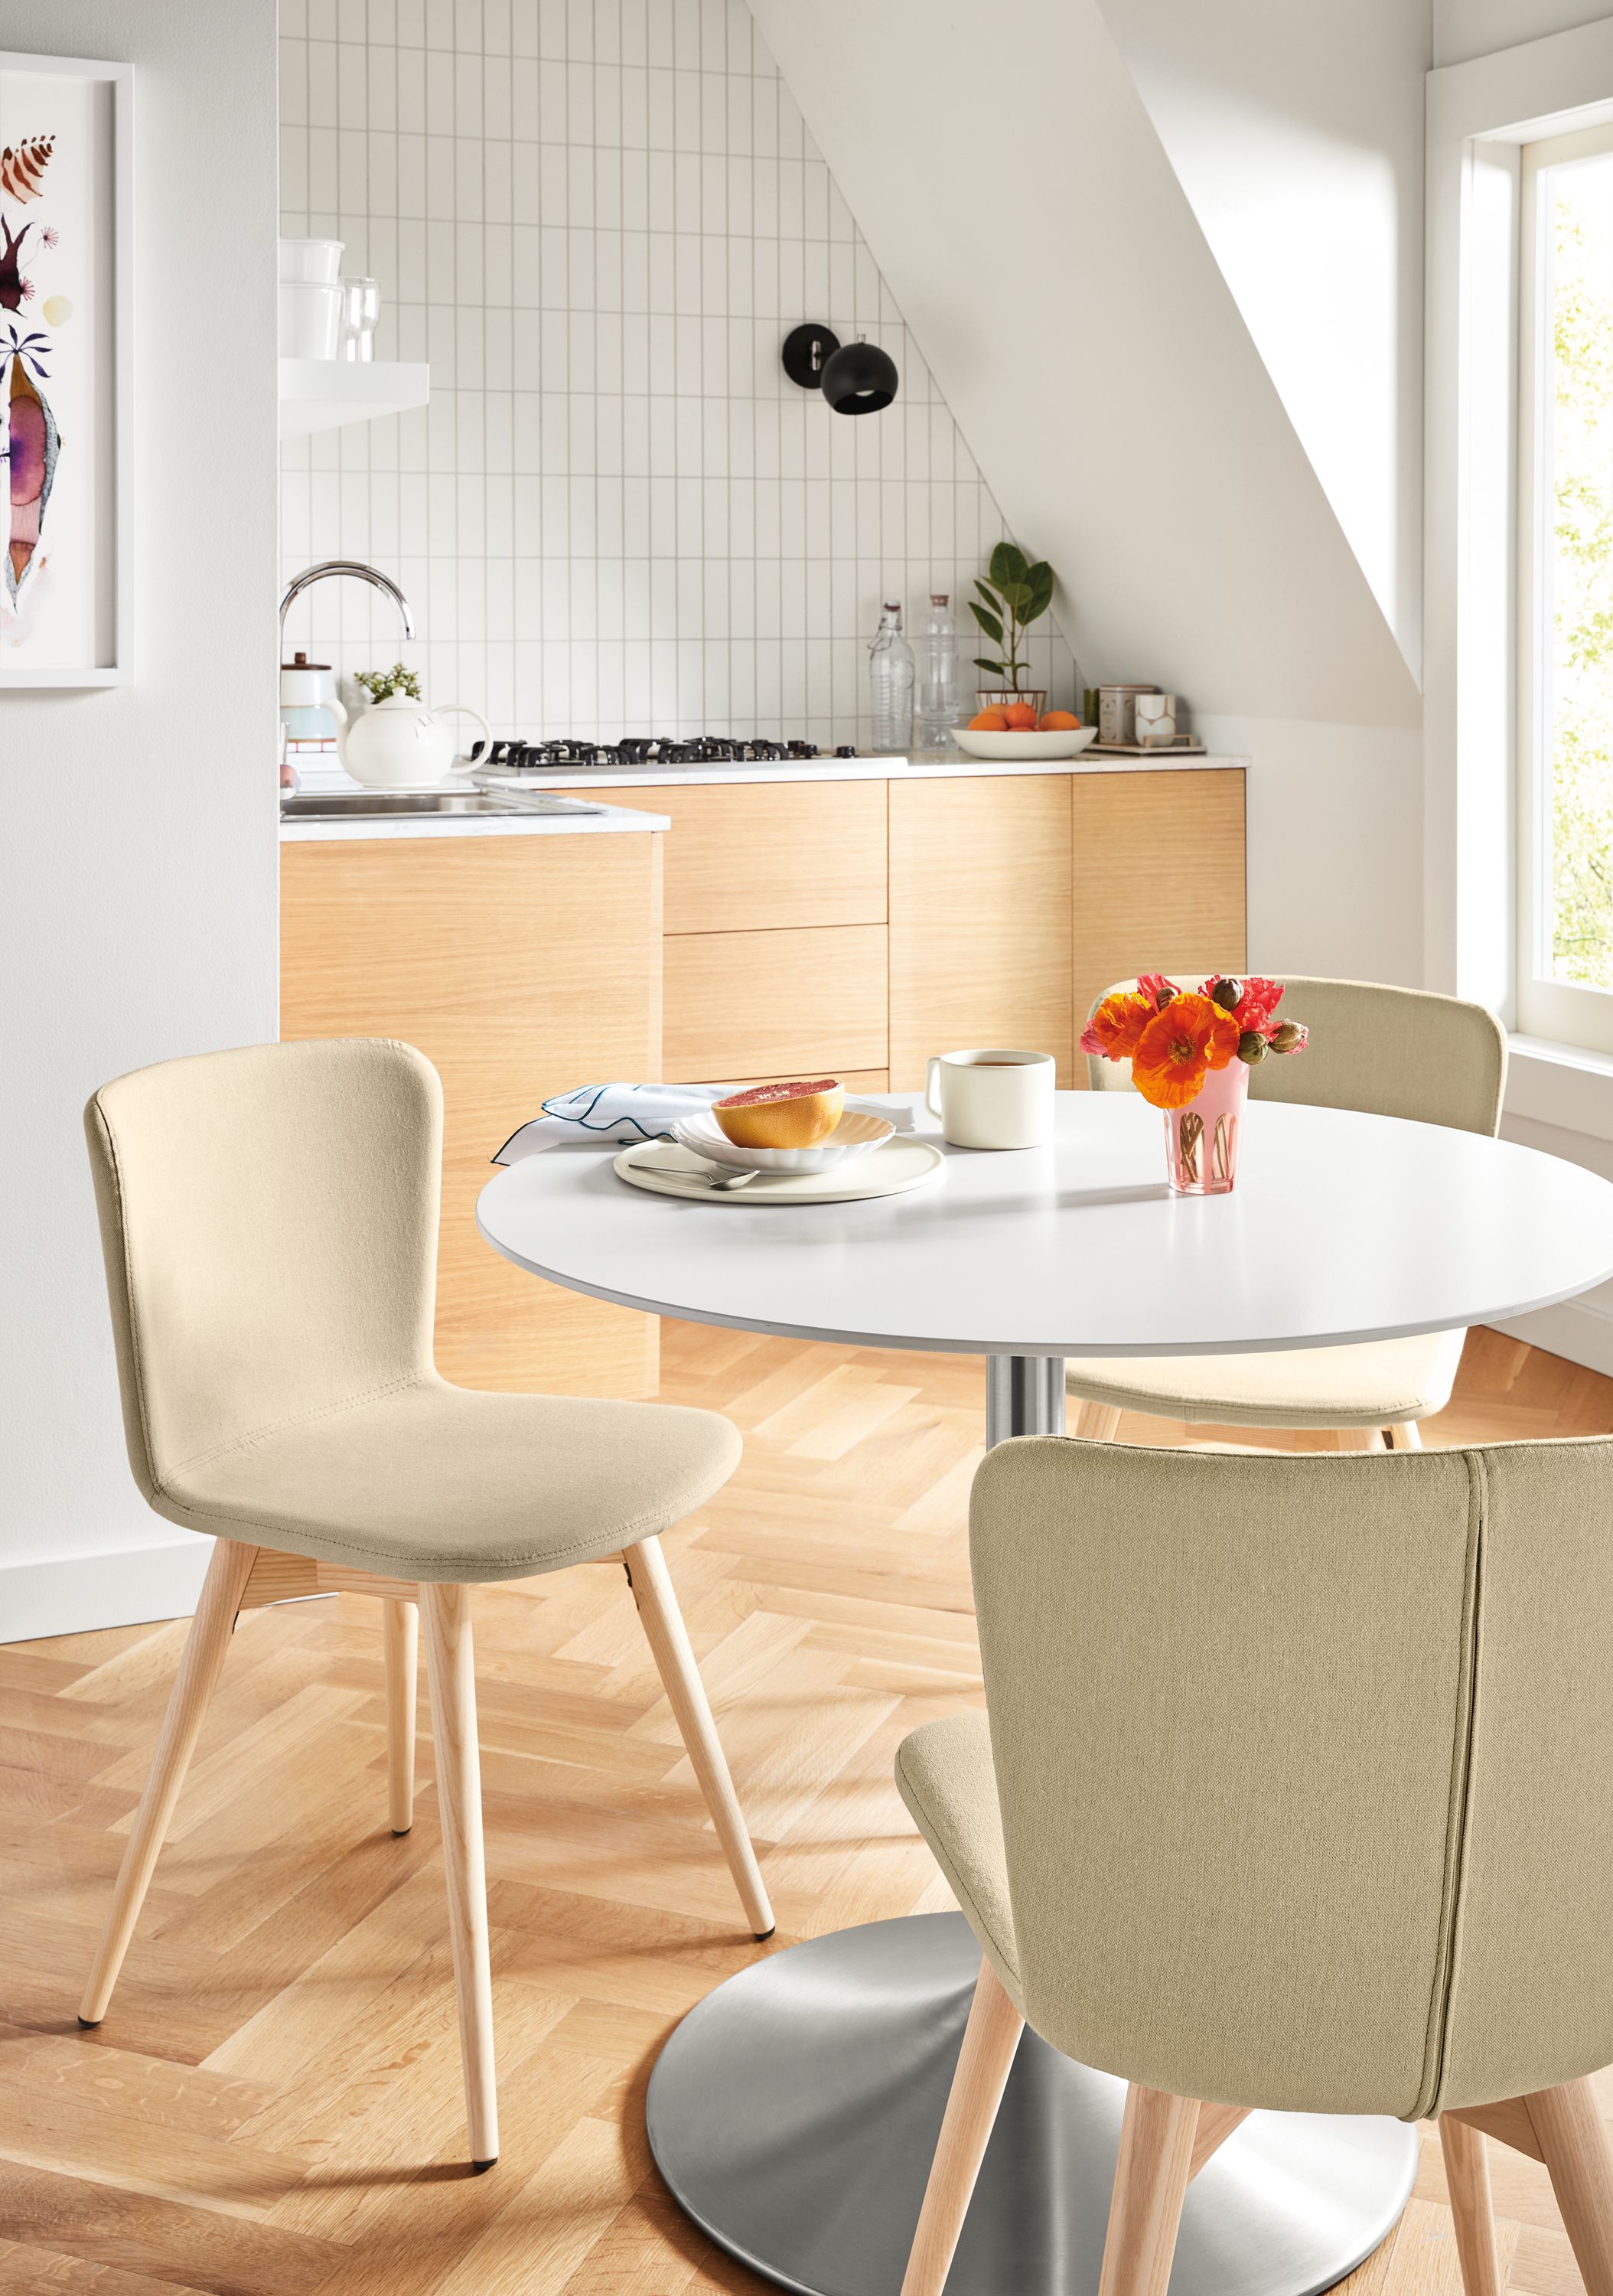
[[1159, 878], [808, 1001], [520, 966]]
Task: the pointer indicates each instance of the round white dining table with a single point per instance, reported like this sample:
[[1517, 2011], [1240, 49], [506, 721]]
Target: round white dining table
[[794, 2111]]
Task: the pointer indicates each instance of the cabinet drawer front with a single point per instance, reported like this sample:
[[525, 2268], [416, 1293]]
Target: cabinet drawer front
[[1159, 878], [776, 1004], [769, 857]]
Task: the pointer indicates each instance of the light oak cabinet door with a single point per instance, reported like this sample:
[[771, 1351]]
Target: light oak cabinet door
[[980, 919], [1159, 878], [771, 856], [746, 1005], [520, 966]]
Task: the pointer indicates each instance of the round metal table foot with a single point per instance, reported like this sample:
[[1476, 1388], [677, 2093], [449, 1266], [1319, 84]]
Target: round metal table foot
[[794, 2113]]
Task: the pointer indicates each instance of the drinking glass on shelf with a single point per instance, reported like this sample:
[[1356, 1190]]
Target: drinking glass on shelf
[[360, 311]]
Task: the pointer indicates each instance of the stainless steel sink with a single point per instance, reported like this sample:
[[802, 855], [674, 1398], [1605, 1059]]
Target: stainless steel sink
[[379, 805]]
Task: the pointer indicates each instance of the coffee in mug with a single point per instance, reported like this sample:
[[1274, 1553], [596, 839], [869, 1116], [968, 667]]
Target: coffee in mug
[[992, 1098]]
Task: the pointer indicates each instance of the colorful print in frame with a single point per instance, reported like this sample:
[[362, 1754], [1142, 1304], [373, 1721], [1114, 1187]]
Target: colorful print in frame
[[64, 364]]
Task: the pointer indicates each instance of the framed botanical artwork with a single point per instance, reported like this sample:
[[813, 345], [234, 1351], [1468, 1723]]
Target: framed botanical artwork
[[66, 291]]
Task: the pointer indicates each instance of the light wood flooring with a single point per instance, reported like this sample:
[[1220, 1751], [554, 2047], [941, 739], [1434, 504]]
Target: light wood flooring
[[273, 2106]]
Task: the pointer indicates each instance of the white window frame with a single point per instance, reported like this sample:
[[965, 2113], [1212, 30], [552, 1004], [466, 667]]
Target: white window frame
[[1565, 1012]]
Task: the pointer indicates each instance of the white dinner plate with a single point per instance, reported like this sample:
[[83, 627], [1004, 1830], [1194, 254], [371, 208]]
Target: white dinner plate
[[891, 1170], [856, 1134]]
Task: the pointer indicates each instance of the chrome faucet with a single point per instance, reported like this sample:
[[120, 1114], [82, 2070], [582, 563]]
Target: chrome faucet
[[332, 566]]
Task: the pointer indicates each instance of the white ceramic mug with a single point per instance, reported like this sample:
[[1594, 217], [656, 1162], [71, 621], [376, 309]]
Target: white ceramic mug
[[993, 1098]]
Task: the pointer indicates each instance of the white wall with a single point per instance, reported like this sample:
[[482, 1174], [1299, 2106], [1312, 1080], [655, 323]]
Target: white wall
[[1466, 28], [138, 826], [619, 515], [1202, 540]]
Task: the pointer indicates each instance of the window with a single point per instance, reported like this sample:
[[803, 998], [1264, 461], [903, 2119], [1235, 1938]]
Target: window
[[1565, 592]]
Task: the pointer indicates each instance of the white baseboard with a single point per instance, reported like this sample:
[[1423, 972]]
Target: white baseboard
[[71, 1593], [1572, 1329]]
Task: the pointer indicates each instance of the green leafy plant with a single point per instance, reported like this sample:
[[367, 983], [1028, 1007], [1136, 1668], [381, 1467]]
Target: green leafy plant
[[378, 683], [1016, 593]]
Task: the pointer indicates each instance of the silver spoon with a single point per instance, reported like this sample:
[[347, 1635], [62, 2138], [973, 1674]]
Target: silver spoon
[[725, 1181]]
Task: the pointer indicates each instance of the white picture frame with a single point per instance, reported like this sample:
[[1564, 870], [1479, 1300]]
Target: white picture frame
[[67, 207]]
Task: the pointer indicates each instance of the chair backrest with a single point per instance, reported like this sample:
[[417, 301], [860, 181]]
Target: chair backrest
[[1306, 1765], [1392, 1051], [268, 1218]]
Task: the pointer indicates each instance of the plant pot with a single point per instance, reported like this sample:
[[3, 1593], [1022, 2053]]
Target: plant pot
[[998, 697], [1202, 1139]]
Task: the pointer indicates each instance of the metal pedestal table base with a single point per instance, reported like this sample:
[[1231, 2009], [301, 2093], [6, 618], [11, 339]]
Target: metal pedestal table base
[[794, 2114]]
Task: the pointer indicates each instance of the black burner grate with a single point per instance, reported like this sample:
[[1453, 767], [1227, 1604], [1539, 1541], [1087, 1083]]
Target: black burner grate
[[639, 750]]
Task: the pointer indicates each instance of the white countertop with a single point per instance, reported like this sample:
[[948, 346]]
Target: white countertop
[[865, 769]]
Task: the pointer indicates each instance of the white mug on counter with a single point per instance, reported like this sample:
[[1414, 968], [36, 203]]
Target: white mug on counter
[[1156, 715], [993, 1098]]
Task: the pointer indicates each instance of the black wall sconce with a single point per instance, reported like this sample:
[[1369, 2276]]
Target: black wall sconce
[[854, 378]]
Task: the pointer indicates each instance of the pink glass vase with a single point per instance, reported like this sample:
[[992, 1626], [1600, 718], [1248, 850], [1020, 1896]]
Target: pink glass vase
[[1201, 1139]]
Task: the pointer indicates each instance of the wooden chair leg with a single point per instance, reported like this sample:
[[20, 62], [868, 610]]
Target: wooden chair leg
[[1151, 2184], [1404, 1435], [400, 1631], [451, 1669], [205, 1648], [1097, 1422], [1467, 2174], [1574, 2139], [669, 1640], [990, 2039]]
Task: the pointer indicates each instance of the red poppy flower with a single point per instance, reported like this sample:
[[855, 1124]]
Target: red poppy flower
[[1117, 1025], [1178, 1048]]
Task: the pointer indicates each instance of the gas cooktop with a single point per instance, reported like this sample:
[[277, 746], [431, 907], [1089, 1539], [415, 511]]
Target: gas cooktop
[[513, 756]]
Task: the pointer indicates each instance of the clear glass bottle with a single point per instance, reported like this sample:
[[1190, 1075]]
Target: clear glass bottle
[[940, 693], [890, 686]]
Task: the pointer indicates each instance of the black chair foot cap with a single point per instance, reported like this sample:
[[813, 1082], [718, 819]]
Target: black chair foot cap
[[402, 1832], [481, 2167], [762, 1936], [90, 2024]]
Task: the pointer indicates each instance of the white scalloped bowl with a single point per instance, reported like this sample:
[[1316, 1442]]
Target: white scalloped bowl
[[855, 1135], [1025, 748]]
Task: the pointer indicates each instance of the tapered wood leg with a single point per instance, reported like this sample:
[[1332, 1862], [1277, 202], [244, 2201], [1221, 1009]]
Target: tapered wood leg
[[400, 1630], [1405, 1435], [1467, 2174], [1098, 1421], [1574, 2139], [450, 1668], [1151, 2184], [198, 1669], [669, 1640], [990, 2039]]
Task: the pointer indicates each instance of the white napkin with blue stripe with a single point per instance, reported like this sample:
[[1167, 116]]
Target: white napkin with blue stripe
[[616, 1115]]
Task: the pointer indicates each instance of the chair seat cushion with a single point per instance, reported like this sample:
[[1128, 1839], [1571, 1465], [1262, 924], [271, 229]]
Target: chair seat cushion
[[1376, 1384], [430, 1481], [944, 1773]]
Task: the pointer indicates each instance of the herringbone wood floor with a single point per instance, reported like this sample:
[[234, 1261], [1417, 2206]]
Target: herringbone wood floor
[[272, 2105]]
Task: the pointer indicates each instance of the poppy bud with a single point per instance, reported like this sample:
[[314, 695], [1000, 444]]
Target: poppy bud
[[1165, 998], [1291, 1037], [1251, 1046], [1227, 993]]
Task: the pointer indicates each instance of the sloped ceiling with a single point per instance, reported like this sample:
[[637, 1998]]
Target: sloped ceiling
[[1018, 199]]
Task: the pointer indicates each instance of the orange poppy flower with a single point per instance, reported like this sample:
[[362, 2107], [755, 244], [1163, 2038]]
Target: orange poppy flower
[[1178, 1048], [1117, 1025]]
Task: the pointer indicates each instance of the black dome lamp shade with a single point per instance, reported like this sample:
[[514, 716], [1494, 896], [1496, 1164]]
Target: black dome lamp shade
[[860, 379]]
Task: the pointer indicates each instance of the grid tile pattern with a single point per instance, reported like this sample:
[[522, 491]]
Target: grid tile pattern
[[598, 220]]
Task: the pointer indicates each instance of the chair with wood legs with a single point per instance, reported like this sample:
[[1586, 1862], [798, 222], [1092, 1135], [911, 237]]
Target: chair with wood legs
[[269, 1222], [1296, 1792], [1391, 1052]]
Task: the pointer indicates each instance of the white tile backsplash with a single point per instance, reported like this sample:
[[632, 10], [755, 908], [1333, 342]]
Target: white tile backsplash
[[598, 220]]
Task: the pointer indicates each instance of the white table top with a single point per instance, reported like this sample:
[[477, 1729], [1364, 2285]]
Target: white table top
[[1341, 1227]]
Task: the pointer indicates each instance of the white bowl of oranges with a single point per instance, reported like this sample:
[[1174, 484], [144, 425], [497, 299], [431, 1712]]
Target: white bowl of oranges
[[1016, 734]]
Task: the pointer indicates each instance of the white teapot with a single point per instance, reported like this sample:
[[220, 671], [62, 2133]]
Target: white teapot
[[400, 744]]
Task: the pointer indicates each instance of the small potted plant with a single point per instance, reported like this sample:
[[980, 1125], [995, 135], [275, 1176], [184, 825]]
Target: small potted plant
[[379, 684], [1191, 1050], [1013, 594]]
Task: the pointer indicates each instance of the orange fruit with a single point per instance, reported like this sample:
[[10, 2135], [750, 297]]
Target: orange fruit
[[1060, 721], [782, 1115], [989, 721], [1019, 718]]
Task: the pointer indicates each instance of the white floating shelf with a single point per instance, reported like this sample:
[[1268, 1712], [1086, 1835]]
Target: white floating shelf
[[319, 394]]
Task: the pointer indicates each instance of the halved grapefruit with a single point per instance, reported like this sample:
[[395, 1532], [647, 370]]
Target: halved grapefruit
[[782, 1115]]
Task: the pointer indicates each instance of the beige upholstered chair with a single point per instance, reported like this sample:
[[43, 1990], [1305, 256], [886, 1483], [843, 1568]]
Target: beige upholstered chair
[[269, 1222], [1296, 1792], [1395, 1052]]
